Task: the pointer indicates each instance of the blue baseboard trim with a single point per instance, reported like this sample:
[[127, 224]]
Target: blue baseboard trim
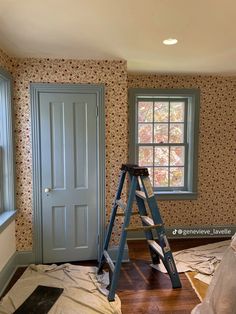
[[25, 258], [113, 251], [18, 259], [7, 272]]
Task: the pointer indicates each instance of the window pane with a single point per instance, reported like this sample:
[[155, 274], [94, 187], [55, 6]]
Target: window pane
[[145, 133], [161, 111], [161, 177], [161, 156], [176, 133], [177, 156], [161, 133], [145, 156], [177, 176], [177, 112], [145, 111]]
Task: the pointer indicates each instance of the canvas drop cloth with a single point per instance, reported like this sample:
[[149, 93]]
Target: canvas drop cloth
[[84, 291], [203, 259]]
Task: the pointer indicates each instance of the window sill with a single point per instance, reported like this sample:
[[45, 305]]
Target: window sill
[[176, 195], [6, 218]]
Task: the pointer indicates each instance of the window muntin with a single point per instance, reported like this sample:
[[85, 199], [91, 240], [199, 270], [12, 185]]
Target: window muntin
[[161, 140]]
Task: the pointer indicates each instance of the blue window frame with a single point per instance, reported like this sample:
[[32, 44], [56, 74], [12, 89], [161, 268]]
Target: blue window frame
[[7, 174], [163, 138]]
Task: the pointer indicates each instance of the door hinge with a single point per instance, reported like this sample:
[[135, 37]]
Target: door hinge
[[98, 239], [97, 111]]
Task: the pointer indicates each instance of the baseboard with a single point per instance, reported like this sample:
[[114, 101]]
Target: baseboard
[[25, 258], [186, 232], [113, 251], [18, 259], [7, 272]]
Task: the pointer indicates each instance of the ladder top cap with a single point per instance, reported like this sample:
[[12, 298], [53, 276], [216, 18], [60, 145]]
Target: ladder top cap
[[135, 170], [127, 167]]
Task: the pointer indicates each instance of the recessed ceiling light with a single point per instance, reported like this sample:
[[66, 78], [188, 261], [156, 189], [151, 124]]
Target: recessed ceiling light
[[170, 41]]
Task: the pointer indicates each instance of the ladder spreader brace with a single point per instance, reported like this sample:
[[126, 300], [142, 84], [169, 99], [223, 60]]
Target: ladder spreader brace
[[140, 190]]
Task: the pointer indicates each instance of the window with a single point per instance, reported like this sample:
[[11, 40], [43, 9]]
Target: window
[[163, 138], [7, 180]]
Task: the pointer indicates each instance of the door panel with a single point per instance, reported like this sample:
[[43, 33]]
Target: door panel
[[57, 127], [59, 227], [81, 152], [81, 223], [68, 139]]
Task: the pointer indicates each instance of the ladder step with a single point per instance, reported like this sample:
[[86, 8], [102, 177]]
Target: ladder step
[[156, 247], [142, 228], [132, 214], [147, 220], [141, 194], [121, 204], [109, 261]]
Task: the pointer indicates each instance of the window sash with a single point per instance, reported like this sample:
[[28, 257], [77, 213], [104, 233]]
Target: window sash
[[153, 144]]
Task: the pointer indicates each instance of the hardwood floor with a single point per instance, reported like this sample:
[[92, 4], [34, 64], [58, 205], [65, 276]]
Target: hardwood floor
[[143, 289]]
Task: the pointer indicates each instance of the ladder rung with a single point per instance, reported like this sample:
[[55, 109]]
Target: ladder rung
[[121, 204], [141, 194], [147, 220], [109, 261], [156, 247], [143, 228], [132, 214]]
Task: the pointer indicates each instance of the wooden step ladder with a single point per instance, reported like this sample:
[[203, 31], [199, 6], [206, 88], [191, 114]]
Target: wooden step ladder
[[140, 190]]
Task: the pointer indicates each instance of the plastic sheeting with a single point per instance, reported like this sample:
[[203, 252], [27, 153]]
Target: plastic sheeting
[[221, 294]]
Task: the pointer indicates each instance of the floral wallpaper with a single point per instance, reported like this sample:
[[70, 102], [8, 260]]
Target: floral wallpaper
[[216, 202], [5, 61], [216, 179], [113, 75]]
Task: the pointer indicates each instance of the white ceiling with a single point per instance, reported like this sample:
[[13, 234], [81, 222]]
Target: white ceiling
[[125, 29]]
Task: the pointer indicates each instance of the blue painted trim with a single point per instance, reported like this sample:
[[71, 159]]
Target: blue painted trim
[[35, 89], [178, 195], [18, 259], [193, 130], [6, 218], [7, 150], [25, 258], [113, 252], [7, 272]]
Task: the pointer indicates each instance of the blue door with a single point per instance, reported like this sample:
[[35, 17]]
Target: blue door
[[68, 142]]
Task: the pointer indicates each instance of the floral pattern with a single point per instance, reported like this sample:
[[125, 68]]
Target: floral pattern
[[216, 178], [216, 203]]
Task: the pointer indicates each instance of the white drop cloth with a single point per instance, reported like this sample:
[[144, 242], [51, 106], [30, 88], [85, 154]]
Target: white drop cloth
[[84, 291], [203, 259]]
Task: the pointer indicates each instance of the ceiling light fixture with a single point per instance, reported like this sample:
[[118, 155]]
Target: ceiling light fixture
[[170, 41]]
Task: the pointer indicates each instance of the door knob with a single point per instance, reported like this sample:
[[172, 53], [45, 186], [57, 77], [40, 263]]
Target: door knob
[[47, 190]]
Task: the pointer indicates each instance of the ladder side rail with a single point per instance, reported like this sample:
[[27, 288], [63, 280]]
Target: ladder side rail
[[170, 266], [128, 212], [112, 220], [151, 200], [168, 260]]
